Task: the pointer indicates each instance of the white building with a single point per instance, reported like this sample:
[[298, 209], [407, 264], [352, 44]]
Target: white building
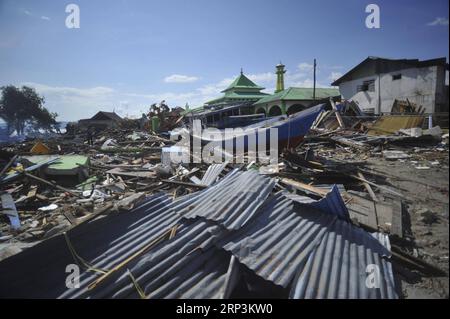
[[376, 82]]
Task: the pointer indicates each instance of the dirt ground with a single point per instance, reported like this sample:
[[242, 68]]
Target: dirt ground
[[427, 218]]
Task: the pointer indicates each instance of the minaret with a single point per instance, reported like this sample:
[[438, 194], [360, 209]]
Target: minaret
[[280, 77]]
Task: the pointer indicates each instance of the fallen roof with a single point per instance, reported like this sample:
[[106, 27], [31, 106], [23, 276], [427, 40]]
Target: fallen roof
[[63, 164], [185, 248], [106, 115], [342, 265]]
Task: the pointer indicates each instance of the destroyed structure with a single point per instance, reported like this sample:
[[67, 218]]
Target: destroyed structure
[[101, 120], [352, 195]]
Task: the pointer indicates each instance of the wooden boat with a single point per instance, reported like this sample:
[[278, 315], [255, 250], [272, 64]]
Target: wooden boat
[[290, 129]]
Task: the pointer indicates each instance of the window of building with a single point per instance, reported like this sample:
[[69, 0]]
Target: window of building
[[396, 77], [367, 86]]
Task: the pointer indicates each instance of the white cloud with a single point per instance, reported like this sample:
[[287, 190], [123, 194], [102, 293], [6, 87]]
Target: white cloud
[[73, 103], [438, 21], [262, 77], [179, 78], [90, 92], [295, 76], [334, 76], [305, 66], [31, 14], [215, 88]]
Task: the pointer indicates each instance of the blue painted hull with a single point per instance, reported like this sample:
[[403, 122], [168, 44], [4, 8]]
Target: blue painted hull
[[291, 131]]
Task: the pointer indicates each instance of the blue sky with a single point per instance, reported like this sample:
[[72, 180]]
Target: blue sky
[[129, 54]]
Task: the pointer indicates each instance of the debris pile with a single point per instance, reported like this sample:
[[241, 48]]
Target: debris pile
[[313, 225]]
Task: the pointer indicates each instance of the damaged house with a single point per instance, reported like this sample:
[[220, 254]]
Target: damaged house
[[101, 120], [377, 82]]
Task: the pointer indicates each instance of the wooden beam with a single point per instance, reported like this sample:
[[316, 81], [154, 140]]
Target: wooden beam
[[51, 184], [303, 187], [368, 188], [168, 181], [8, 165], [378, 186], [338, 115]]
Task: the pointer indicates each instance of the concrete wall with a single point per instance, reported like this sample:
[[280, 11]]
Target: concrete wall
[[423, 86]]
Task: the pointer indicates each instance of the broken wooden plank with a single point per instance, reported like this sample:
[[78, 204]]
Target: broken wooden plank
[[304, 187], [168, 181], [363, 211], [141, 174], [51, 184], [415, 263], [378, 186], [368, 188], [338, 115], [350, 143], [8, 165]]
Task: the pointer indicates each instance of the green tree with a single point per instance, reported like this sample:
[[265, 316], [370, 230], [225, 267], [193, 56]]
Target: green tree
[[21, 106]]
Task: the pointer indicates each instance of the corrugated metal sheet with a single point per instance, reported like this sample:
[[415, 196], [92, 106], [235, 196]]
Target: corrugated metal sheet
[[333, 203], [212, 173], [188, 266], [157, 218], [233, 201], [40, 272], [176, 263], [339, 267], [279, 240], [325, 252]]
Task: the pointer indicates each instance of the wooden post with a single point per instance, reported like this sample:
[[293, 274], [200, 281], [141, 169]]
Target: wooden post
[[338, 115]]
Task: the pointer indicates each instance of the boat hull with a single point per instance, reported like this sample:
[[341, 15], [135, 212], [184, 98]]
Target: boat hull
[[285, 132]]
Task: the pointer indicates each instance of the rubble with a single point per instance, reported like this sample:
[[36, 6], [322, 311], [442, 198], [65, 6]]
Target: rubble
[[169, 230]]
